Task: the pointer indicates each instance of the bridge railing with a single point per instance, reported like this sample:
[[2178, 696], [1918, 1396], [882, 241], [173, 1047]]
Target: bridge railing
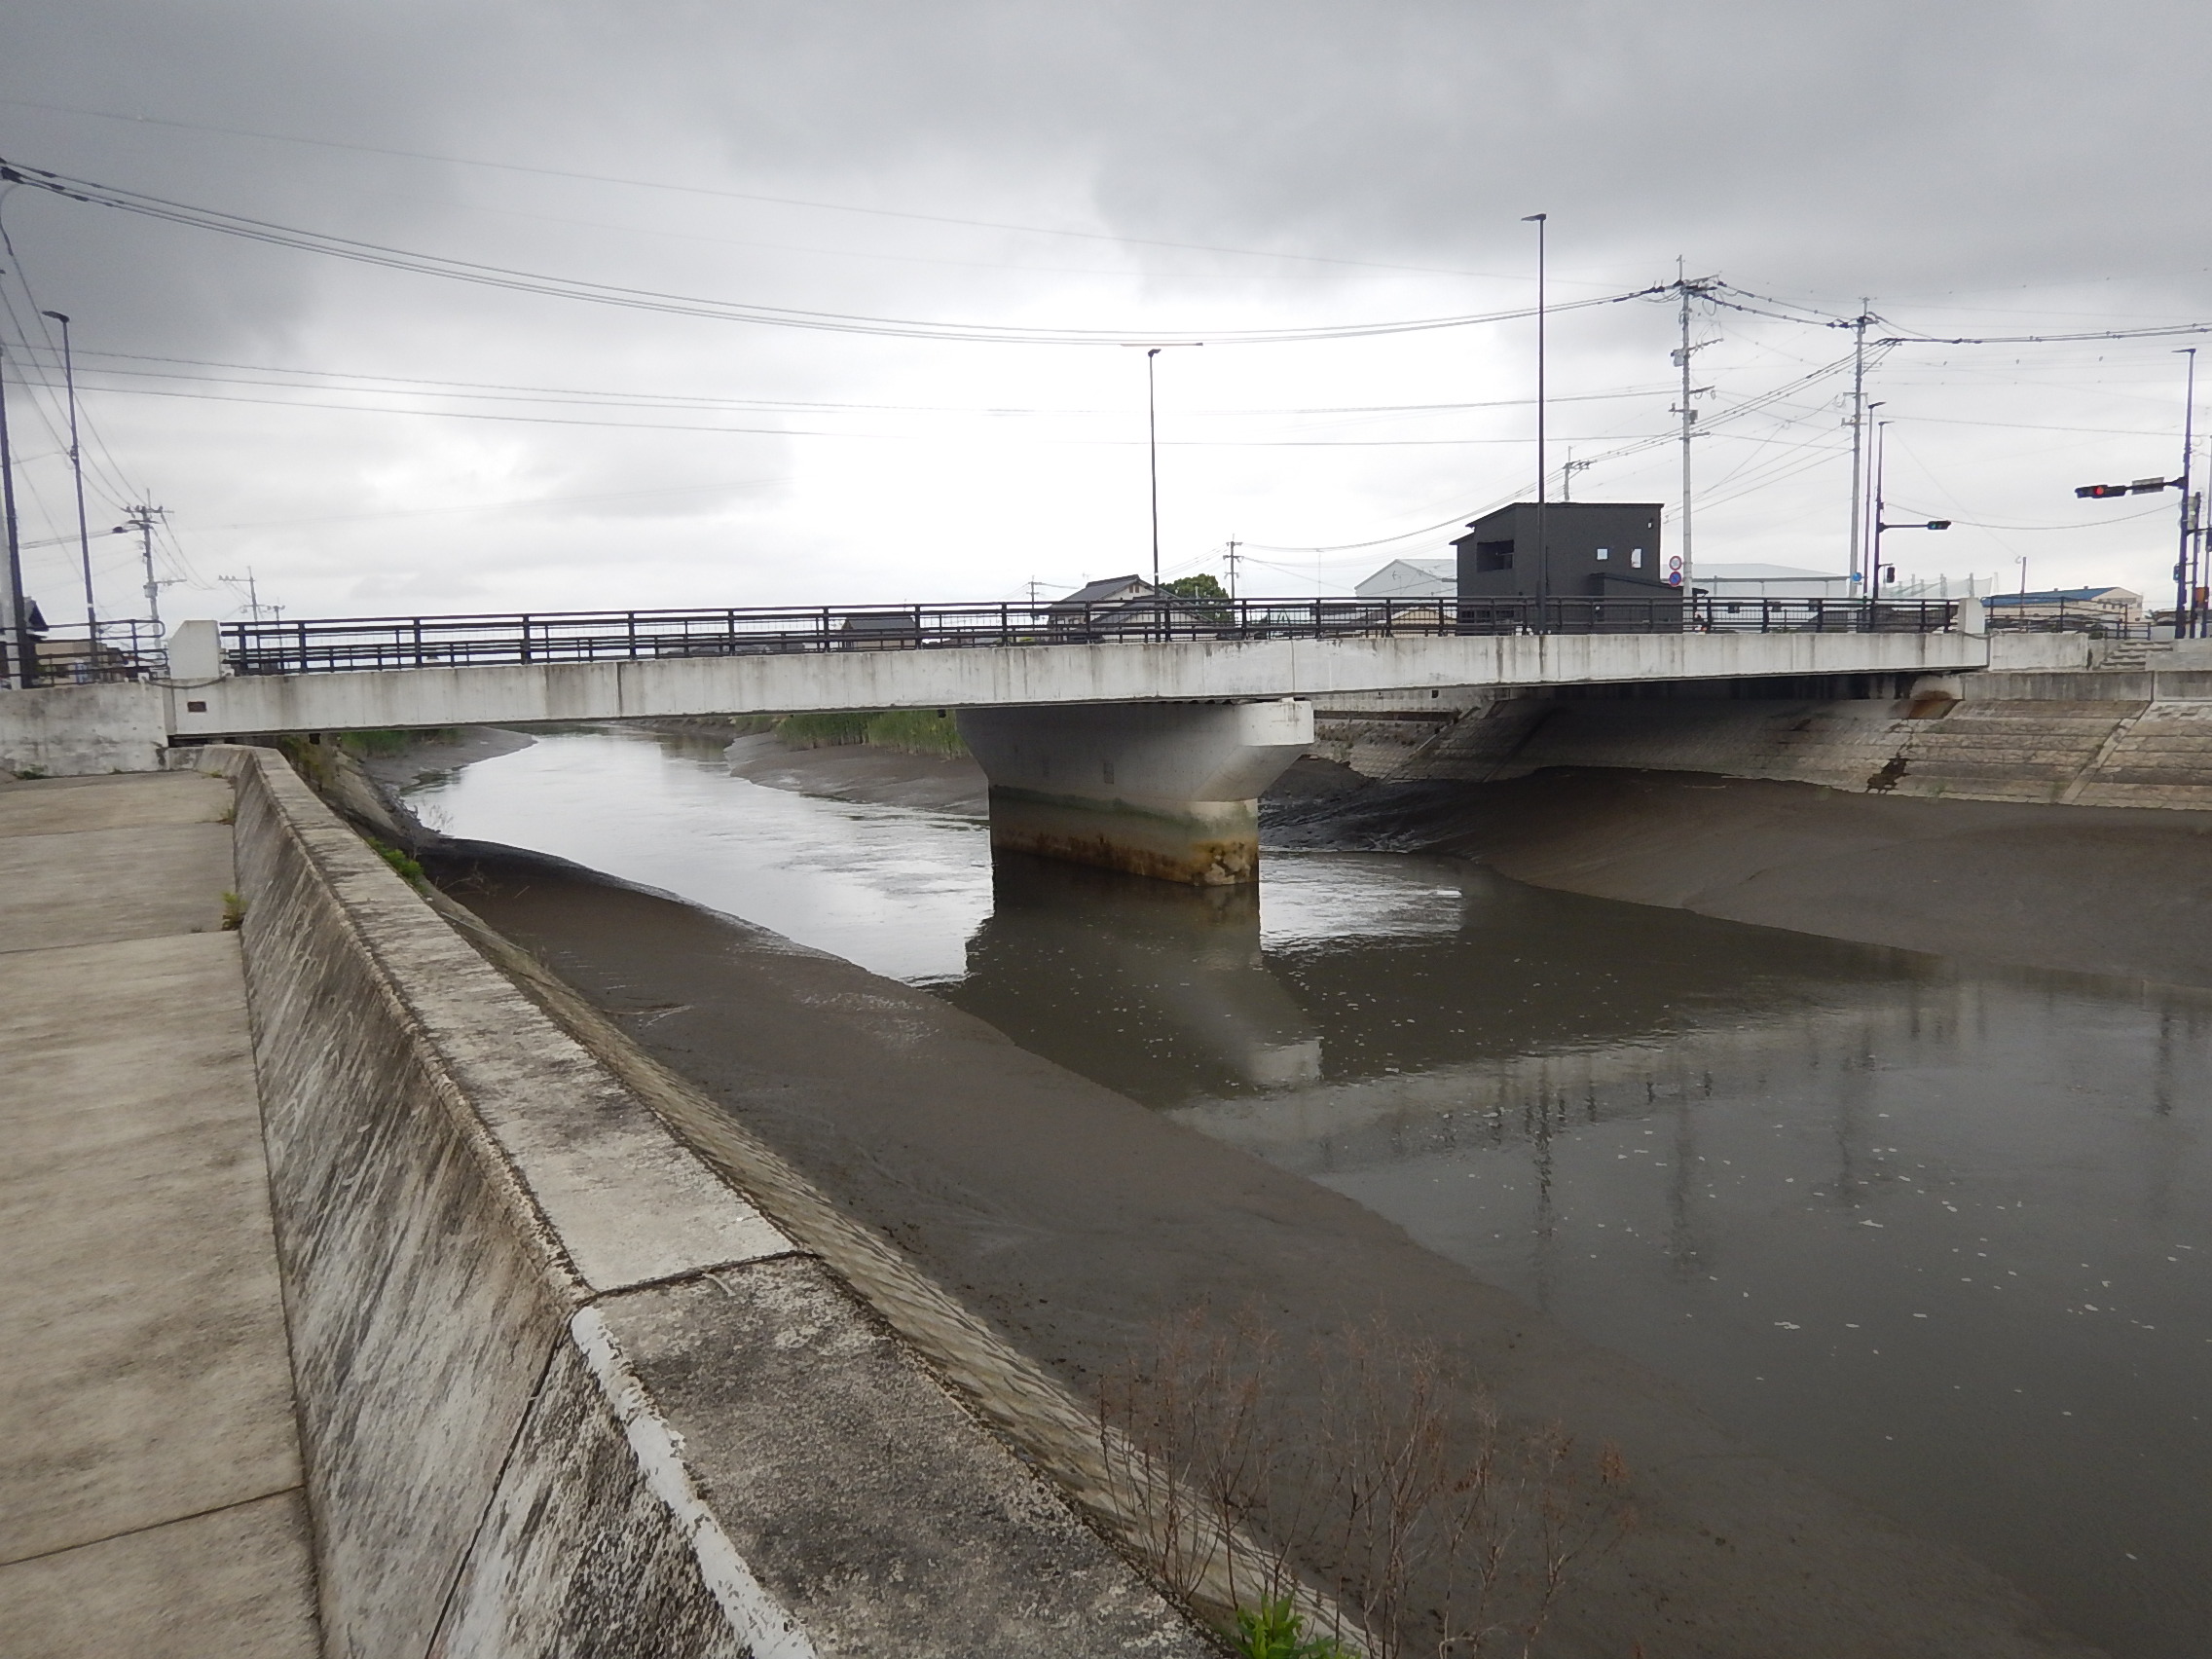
[[311, 646]]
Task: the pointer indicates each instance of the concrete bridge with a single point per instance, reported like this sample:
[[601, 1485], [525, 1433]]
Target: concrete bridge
[[1136, 736]]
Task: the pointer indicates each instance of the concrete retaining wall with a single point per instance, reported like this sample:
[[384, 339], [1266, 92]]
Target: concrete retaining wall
[[2094, 739], [75, 731], [562, 1389]]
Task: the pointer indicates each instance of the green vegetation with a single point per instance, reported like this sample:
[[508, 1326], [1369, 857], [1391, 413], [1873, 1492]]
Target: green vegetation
[[1277, 1629], [1197, 587], [25, 774], [1201, 587], [912, 731], [234, 912], [382, 743], [409, 870]]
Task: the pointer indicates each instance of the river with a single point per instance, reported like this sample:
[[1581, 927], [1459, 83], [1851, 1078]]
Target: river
[[1936, 1233]]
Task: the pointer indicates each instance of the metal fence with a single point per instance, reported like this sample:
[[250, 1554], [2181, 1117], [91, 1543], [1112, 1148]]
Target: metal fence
[[2063, 616], [309, 646], [124, 649]]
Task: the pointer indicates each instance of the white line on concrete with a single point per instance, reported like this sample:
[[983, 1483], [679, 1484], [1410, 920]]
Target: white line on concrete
[[756, 1616]]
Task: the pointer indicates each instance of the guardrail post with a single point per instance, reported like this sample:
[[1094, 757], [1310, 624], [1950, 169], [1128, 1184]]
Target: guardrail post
[[526, 639]]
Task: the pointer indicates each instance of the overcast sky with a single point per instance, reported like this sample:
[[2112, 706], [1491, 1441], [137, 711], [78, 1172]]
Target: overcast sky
[[368, 440]]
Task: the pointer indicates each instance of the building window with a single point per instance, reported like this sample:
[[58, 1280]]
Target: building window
[[1635, 558], [1605, 552], [1492, 556]]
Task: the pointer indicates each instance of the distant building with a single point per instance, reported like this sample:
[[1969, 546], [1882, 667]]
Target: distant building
[[1769, 582], [2067, 605], [1941, 587], [1113, 590], [1412, 578], [1590, 550], [1097, 604]]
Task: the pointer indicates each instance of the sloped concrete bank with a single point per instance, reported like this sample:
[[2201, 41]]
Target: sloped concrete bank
[[562, 1388], [2038, 725]]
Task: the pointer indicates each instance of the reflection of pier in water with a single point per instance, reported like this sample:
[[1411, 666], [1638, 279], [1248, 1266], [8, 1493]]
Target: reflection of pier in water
[[1165, 976]]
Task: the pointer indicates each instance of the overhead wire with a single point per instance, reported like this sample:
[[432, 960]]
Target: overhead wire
[[512, 280]]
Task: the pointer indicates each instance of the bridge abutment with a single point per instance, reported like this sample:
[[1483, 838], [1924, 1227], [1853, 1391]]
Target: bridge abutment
[[1162, 790]]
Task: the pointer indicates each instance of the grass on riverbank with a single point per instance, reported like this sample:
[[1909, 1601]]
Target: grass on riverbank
[[911, 731]]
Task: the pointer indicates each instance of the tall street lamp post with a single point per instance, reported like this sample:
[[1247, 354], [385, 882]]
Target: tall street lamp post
[[1151, 439], [77, 470]]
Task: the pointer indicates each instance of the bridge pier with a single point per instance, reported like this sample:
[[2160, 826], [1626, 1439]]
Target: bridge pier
[[1165, 789]]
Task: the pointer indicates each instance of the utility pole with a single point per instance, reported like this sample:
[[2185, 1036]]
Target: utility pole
[[2184, 571], [1688, 290], [23, 670], [253, 592], [1543, 528], [77, 472], [1858, 425], [142, 520], [1231, 561]]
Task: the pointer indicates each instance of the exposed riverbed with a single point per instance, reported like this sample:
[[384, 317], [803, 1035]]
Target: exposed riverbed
[[1936, 1233]]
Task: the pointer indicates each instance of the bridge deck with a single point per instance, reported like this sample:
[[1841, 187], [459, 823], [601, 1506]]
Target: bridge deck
[[983, 677]]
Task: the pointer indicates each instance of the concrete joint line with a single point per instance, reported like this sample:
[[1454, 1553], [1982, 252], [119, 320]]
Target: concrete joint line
[[758, 1619], [2106, 750], [151, 1526]]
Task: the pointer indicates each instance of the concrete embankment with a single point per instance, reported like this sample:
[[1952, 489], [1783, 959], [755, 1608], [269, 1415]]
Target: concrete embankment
[[2042, 724], [562, 1388]]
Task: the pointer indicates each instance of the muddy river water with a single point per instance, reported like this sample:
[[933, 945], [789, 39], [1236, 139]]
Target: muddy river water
[[1938, 1233]]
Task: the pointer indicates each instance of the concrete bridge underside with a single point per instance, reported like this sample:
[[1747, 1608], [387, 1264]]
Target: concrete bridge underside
[[1147, 756]]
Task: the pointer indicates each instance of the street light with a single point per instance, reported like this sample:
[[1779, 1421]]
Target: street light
[[1881, 447], [77, 469], [1151, 439]]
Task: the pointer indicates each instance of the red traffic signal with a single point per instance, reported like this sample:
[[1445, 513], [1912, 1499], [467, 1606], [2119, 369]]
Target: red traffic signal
[[2100, 492]]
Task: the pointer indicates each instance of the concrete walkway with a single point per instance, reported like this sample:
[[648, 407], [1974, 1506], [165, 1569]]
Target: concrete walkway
[[149, 1497]]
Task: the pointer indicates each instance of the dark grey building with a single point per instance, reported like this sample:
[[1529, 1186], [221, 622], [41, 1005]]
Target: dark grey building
[[1592, 550]]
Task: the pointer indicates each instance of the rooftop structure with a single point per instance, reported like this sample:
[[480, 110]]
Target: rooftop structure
[[1412, 578]]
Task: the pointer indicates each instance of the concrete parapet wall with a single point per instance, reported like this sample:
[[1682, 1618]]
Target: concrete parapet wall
[[562, 1388], [75, 731]]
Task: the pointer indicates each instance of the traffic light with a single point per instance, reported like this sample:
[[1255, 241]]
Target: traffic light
[[2100, 492]]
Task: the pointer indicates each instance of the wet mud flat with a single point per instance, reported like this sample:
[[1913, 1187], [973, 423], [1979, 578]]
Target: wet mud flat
[[2119, 891], [1075, 1221]]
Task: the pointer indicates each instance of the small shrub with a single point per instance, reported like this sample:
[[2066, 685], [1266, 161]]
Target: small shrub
[[234, 912], [28, 773], [1277, 1629], [410, 870]]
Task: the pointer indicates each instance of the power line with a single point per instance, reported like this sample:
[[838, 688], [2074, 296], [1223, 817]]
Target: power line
[[721, 311]]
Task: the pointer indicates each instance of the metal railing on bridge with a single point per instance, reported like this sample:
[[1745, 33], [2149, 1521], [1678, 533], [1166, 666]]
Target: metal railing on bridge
[[310, 647]]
